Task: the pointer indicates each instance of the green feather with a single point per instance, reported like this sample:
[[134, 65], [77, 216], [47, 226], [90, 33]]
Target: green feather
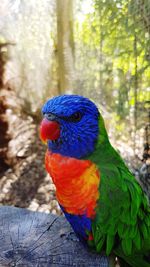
[[109, 243], [137, 240], [127, 246], [100, 244], [122, 222]]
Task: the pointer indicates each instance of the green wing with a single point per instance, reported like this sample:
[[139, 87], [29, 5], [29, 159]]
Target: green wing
[[122, 222]]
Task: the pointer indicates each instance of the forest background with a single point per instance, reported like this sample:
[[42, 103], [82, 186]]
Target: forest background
[[96, 48]]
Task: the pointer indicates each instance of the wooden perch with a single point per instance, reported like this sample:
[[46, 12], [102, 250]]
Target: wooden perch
[[35, 239]]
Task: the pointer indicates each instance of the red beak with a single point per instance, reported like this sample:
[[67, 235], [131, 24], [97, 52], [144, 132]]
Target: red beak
[[49, 130]]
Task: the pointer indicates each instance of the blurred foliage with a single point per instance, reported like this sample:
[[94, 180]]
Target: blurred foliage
[[106, 37], [111, 53], [113, 42], [29, 25]]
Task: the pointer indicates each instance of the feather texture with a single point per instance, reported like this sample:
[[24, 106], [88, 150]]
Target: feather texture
[[98, 194], [122, 215]]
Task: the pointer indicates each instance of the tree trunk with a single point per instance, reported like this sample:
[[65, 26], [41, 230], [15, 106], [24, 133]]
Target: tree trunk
[[33, 239], [4, 136], [65, 44]]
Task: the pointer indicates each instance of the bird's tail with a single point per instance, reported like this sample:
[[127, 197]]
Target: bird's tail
[[137, 260], [123, 263]]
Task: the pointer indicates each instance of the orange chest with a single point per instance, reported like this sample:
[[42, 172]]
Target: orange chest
[[77, 182]]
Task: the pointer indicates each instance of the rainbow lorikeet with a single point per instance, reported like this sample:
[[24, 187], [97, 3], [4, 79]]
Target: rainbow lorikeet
[[98, 194]]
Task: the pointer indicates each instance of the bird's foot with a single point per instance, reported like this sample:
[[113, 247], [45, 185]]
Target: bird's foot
[[71, 236]]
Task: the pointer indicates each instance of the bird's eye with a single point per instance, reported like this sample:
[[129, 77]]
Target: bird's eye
[[76, 117]]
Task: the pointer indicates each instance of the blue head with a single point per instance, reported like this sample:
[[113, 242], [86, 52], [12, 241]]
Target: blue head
[[77, 120]]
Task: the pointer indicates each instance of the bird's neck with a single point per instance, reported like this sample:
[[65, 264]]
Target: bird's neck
[[104, 152]]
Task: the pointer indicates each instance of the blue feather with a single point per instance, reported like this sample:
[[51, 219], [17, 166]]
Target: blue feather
[[77, 139], [81, 225]]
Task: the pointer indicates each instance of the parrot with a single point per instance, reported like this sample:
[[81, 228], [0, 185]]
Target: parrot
[[96, 191]]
